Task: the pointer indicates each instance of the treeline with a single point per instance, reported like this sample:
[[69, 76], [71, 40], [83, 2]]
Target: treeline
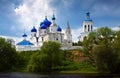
[[49, 59]]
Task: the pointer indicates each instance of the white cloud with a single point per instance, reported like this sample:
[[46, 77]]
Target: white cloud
[[32, 12], [67, 3], [16, 39], [76, 33], [116, 28]]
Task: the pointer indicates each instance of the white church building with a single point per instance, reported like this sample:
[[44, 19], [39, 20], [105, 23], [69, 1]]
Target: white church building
[[47, 31]]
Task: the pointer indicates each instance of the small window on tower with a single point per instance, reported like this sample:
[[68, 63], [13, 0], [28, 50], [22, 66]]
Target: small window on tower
[[85, 28], [91, 27], [88, 28], [44, 31], [57, 39], [68, 41]]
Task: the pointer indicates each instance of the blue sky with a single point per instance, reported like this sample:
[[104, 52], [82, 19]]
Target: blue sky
[[19, 15]]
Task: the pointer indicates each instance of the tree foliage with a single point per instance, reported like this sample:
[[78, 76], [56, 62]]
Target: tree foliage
[[104, 36], [104, 58], [8, 55], [102, 47], [88, 44], [79, 43], [47, 59]]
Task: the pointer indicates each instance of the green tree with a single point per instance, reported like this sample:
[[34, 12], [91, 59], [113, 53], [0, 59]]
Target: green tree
[[104, 58], [47, 59], [110, 40], [116, 43], [79, 43], [53, 52], [104, 36], [116, 50], [8, 55], [38, 63], [88, 44]]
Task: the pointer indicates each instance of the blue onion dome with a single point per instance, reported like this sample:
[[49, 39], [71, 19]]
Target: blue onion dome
[[59, 28], [33, 29], [43, 26], [41, 23], [47, 22], [24, 35]]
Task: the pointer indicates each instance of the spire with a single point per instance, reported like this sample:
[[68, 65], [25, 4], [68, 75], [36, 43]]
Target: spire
[[68, 26], [53, 18], [45, 15], [68, 30], [68, 35]]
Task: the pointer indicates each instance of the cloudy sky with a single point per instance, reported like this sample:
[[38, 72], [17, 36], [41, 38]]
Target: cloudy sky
[[17, 16]]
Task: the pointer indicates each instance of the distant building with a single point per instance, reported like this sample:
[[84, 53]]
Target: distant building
[[87, 27]]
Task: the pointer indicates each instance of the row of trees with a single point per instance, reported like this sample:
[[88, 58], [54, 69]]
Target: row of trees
[[102, 48]]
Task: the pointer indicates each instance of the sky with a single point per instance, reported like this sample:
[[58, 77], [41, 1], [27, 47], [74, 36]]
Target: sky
[[17, 16]]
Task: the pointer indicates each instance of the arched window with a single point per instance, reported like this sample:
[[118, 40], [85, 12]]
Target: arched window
[[84, 37], [85, 27], [88, 28], [91, 27]]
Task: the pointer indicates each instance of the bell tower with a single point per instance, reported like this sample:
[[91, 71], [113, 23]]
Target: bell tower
[[87, 23], [87, 27]]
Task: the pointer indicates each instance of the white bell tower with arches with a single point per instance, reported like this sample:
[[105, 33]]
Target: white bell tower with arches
[[87, 27]]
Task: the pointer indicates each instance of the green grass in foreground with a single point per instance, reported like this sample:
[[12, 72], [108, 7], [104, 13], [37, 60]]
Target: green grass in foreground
[[77, 67], [77, 72]]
